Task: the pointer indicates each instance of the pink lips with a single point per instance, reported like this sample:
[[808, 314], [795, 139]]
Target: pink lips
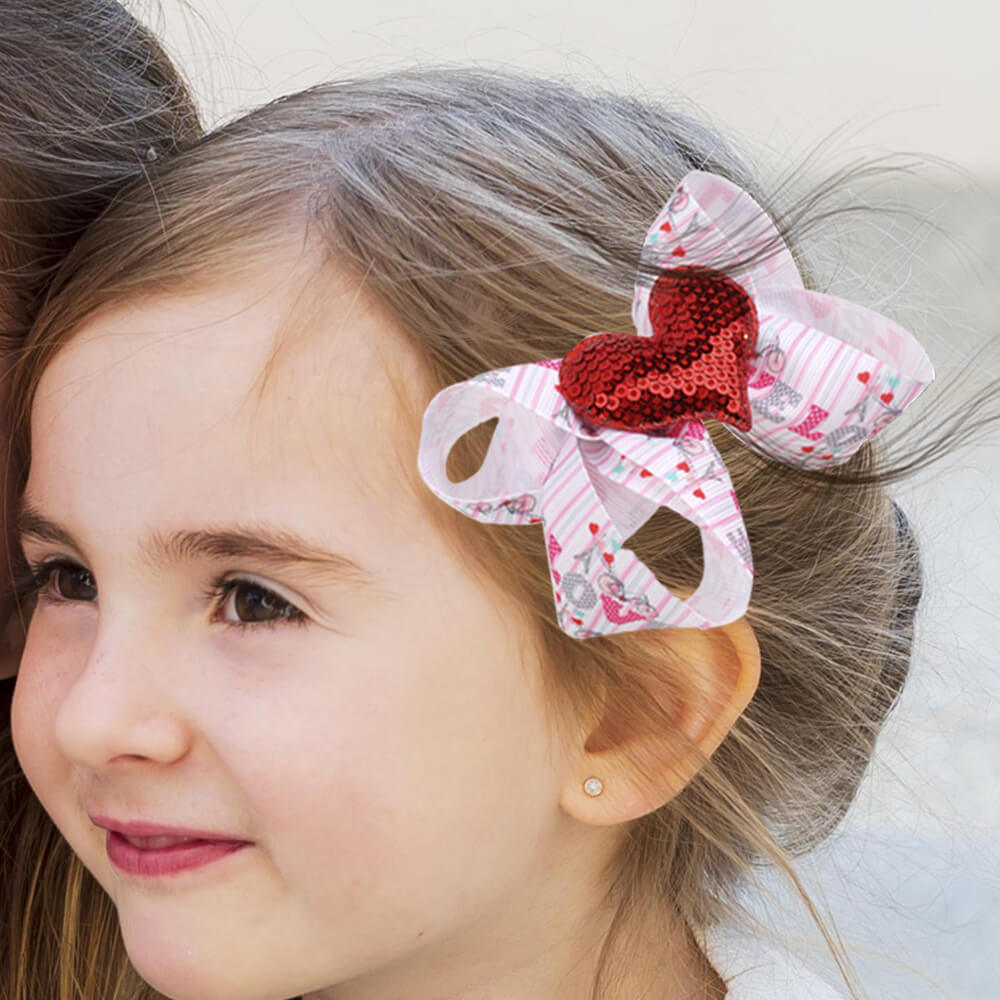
[[151, 850], [167, 860]]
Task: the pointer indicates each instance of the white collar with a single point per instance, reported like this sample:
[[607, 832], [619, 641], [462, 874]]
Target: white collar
[[752, 970]]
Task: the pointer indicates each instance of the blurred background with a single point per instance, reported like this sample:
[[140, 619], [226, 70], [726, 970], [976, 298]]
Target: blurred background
[[913, 876]]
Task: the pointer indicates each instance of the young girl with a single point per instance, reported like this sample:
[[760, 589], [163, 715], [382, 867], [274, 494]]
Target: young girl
[[88, 102], [317, 733]]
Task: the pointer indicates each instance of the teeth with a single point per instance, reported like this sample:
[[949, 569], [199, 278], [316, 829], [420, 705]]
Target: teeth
[[155, 843]]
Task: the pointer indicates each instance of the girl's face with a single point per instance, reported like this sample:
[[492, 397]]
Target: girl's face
[[247, 626]]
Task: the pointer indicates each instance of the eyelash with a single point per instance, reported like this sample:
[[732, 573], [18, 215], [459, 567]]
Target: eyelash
[[33, 584]]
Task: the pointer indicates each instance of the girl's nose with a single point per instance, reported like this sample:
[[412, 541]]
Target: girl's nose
[[117, 710]]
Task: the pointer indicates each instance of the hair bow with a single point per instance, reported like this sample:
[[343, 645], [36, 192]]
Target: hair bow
[[591, 445]]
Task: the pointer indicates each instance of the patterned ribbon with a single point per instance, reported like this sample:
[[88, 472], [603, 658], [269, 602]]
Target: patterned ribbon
[[826, 375]]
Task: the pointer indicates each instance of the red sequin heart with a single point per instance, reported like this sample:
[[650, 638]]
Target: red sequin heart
[[696, 364]]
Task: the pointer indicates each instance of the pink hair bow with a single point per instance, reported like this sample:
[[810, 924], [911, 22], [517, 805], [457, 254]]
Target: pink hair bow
[[816, 378]]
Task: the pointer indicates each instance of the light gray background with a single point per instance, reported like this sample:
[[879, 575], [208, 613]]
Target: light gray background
[[914, 876]]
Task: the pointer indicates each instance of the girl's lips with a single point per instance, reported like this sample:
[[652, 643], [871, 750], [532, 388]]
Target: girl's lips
[[142, 828], [154, 856]]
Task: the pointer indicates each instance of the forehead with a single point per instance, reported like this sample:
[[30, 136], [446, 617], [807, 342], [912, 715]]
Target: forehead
[[268, 390]]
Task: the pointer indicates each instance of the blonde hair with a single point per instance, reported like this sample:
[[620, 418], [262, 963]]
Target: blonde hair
[[498, 218]]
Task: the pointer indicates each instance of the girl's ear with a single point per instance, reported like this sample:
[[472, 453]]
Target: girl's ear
[[641, 771]]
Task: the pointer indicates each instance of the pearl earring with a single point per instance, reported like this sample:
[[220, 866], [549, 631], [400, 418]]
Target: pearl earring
[[593, 786]]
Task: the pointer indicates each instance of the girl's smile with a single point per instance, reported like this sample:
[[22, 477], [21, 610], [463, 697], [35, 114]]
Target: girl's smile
[[153, 849], [155, 856]]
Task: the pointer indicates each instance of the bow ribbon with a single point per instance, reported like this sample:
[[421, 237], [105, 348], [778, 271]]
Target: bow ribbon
[[806, 377]]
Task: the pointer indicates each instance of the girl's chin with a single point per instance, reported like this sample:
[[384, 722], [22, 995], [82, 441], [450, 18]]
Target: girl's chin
[[194, 969]]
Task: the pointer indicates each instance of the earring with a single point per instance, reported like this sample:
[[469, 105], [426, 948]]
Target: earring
[[593, 786]]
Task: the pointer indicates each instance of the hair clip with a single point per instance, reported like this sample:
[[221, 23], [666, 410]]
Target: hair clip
[[591, 445]]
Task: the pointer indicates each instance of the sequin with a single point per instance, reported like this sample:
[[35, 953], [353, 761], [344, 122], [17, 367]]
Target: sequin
[[646, 384]]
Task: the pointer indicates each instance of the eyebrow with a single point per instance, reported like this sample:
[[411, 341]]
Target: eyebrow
[[262, 544]]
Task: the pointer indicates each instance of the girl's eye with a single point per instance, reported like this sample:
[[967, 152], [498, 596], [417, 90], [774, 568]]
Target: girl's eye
[[63, 581], [244, 602], [74, 583]]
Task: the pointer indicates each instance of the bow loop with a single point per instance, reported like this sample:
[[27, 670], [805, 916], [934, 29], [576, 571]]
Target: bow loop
[[507, 486], [591, 491], [710, 222], [829, 374]]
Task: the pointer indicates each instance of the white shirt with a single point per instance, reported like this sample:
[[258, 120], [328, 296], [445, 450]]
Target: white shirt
[[753, 970]]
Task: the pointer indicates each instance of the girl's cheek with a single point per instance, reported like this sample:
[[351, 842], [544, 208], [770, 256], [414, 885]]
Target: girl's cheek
[[56, 650]]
